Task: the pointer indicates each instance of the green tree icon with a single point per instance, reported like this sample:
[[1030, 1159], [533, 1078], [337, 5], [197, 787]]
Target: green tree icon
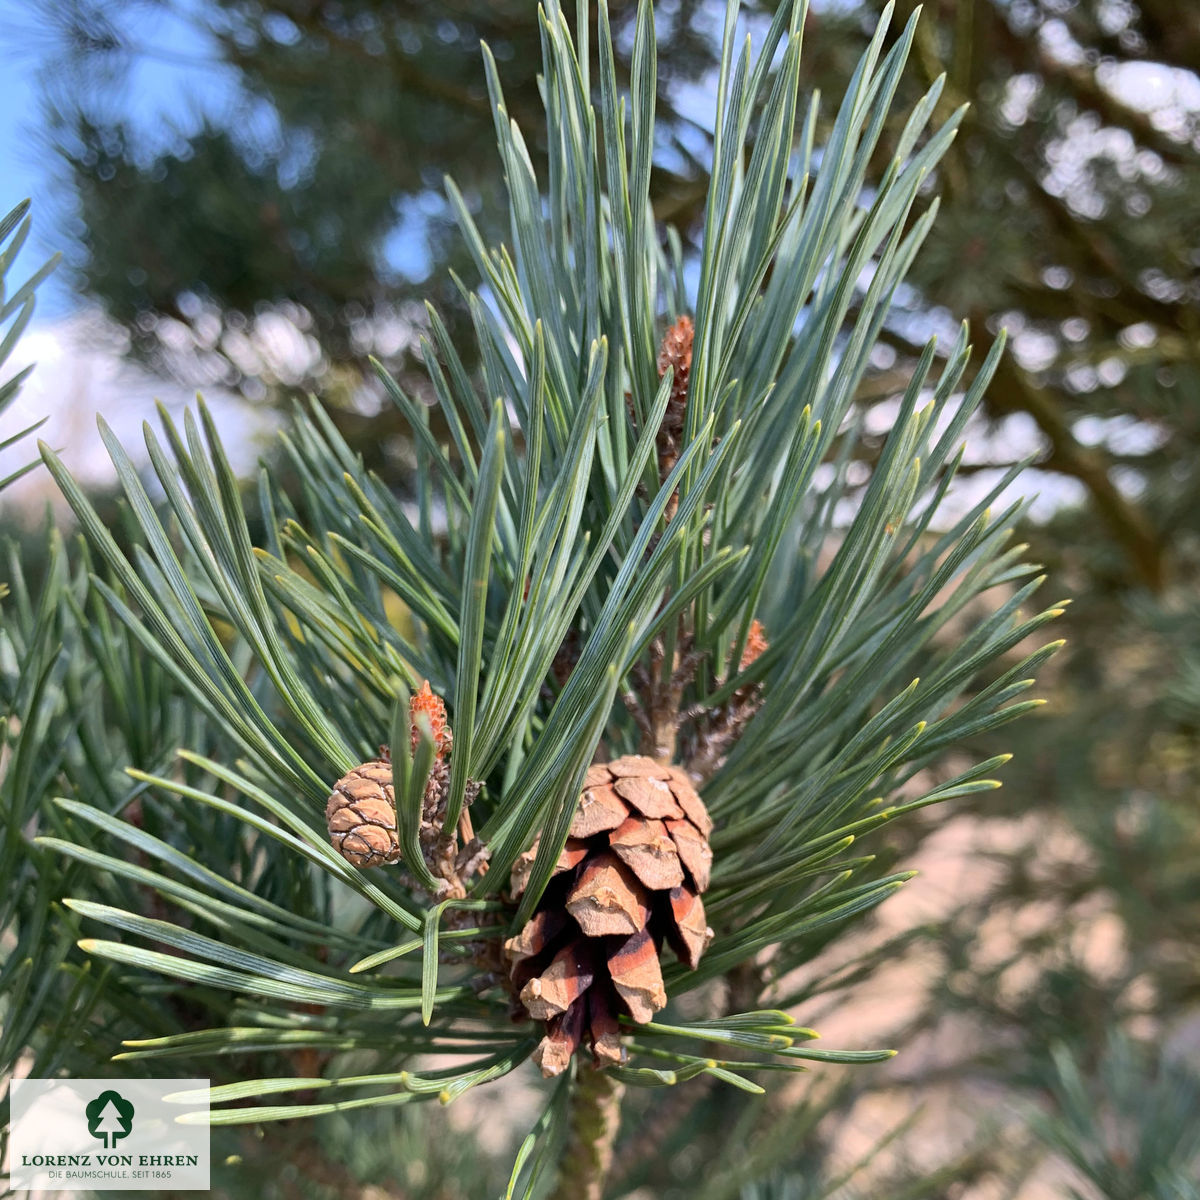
[[109, 1117]]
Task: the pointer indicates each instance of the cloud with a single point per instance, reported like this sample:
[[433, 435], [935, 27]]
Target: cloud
[[80, 372]]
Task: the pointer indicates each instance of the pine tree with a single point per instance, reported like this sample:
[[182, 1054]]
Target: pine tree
[[110, 1125], [1128, 1126], [328, 791]]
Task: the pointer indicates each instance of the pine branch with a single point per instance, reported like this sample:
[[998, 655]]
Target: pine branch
[[625, 498]]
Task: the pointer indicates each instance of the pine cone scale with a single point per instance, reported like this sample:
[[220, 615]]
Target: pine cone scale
[[694, 851], [600, 809], [608, 898], [564, 1035], [651, 797], [646, 849], [535, 938], [604, 1031], [637, 976], [568, 976], [693, 806], [689, 935]]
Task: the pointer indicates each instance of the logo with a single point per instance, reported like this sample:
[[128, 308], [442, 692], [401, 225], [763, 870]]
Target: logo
[[109, 1118], [95, 1135]]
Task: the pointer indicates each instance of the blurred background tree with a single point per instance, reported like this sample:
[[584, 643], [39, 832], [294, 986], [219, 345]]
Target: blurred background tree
[[307, 225], [307, 220], [279, 244]]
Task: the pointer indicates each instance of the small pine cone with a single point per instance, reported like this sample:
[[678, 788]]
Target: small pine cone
[[361, 816], [434, 707], [676, 351], [628, 879], [756, 644], [745, 699]]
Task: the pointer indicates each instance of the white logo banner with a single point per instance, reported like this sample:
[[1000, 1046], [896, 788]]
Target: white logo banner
[[103, 1134]]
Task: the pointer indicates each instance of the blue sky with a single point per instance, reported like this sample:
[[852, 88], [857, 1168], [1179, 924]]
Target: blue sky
[[22, 169], [80, 371], [175, 80]]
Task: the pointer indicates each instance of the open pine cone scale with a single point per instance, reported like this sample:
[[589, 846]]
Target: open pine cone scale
[[629, 878]]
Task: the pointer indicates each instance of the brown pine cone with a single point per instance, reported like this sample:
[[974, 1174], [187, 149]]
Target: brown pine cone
[[361, 812], [361, 815], [629, 877]]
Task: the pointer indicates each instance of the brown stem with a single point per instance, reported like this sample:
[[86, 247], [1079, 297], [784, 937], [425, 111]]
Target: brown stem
[[595, 1117], [746, 983], [658, 731], [664, 695]]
